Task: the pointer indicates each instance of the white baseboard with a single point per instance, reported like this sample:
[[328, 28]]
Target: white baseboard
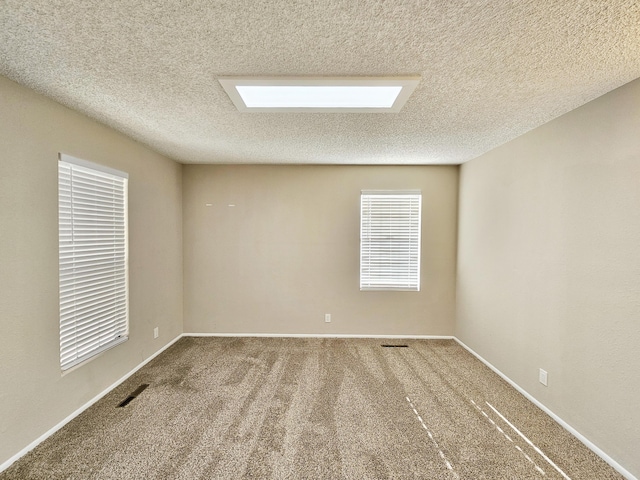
[[530, 397], [619, 468], [61, 424], [319, 335]]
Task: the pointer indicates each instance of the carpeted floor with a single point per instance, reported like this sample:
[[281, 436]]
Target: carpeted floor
[[262, 408]]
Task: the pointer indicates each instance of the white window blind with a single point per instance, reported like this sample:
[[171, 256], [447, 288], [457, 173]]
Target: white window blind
[[92, 216], [390, 240]]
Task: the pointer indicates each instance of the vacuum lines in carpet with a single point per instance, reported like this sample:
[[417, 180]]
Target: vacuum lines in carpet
[[292, 408]]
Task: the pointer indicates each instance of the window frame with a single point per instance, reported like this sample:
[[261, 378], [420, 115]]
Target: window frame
[[398, 269], [94, 297]]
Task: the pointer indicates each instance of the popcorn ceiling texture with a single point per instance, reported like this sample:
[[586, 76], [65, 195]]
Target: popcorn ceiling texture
[[491, 70]]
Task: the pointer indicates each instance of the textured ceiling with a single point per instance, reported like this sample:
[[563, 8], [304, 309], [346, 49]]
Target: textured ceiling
[[491, 70]]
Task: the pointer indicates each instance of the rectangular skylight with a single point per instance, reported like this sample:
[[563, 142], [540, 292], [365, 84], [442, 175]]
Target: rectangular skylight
[[289, 96], [345, 95]]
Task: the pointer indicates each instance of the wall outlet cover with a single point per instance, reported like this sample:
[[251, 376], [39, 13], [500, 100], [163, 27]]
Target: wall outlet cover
[[543, 377]]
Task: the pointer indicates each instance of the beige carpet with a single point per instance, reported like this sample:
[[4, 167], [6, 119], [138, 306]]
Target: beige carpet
[[312, 409]]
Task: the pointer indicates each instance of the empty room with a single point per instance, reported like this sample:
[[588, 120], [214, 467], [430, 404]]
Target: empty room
[[319, 239]]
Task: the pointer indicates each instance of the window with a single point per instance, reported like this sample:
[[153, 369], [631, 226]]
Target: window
[[92, 220], [390, 240]]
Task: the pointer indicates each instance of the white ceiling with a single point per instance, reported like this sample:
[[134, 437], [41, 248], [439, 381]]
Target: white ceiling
[[491, 70]]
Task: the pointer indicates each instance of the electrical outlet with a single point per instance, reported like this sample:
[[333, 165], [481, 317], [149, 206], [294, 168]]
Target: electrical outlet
[[155, 332], [543, 377], [327, 317]]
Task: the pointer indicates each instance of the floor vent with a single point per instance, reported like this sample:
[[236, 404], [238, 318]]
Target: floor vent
[[133, 395], [395, 346]]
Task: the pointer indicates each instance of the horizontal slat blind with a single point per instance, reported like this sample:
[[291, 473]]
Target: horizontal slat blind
[[390, 240], [92, 216]]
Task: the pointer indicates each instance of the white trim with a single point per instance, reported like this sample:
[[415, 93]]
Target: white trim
[[626, 474], [93, 355], [61, 424], [319, 335], [619, 468], [391, 192], [94, 166], [93, 259], [408, 84], [390, 240]]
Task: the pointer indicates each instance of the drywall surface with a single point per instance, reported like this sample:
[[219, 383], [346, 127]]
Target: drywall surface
[[34, 396], [549, 267], [287, 251]]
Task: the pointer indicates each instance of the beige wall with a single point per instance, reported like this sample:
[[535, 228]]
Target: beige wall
[[549, 267], [33, 395], [288, 252], [548, 262]]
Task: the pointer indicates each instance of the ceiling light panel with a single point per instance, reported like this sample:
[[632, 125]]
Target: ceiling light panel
[[324, 95]]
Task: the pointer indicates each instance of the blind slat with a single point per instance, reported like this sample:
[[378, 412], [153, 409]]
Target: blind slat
[[92, 216], [390, 228]]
